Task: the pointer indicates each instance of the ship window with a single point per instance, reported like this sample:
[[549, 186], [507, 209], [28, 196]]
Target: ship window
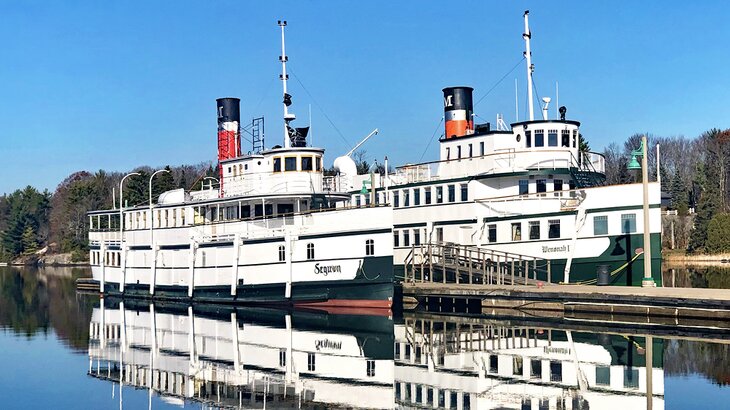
[[534, 230], [416, 196], [427, 198], [269, 209], [492, 233], [367, 199], [439, 194], [306, 163], [575, 138], [553, 138], [554, 228], [285, 209], [358, 201], [290, 164], [452, 193], [541, 185], [528, 139], [603, 375], [416, 236], [318, 164], [631, 378], [481, 148], [277, 164], [517, 367], [282, 253], [310, 362], [493, 363], [458, 152], [539, 138], [471, 151], [369, 247], [448, 153], [406, 238], [229, 170], [310, 251], [371, 368], [396, 237], [282, 357], [600, 225], [557, 187], [628, 223], [406, 201], [536, 368], [565, 139], [524, 186], [439, 235], [556, 371], [464, 192], [258, 210], [396, 200], [245, 211], [517, 231], [245, 167]]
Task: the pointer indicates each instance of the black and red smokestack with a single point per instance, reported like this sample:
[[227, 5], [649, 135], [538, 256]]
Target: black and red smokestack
[[229, 138], [458, 111]]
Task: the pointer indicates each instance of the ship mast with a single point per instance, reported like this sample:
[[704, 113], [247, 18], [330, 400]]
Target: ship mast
[[287, 98], [530, 68]]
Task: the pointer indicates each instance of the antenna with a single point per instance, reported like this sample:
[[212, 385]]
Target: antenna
[[557, 101], [287, 98], [517, 106], [311, 135], [530, 68]]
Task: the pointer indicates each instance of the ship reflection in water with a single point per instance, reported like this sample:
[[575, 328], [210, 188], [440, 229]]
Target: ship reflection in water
[[257, 358], [494, 365], [244, 357]]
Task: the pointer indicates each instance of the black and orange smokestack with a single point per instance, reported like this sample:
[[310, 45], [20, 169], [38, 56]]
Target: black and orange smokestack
[[458, 111]]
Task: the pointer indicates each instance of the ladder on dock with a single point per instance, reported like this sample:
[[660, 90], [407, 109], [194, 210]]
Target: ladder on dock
[[452, 263]]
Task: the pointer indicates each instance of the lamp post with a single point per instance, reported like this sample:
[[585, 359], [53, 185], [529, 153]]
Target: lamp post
[[121, 231], [648, 280], [152, 214]]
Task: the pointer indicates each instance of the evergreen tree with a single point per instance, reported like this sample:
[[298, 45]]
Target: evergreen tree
[[28, 241], [679, 195], [136, 189], [710, 200]]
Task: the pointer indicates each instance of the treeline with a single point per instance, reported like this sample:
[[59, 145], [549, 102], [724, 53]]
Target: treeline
[[31, 220], [694, 173]]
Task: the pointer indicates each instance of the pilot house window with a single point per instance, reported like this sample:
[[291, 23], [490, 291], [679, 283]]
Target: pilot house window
[[306, 163], [310, 251], [277, 164], [282, 253], [539, 138], [290, 164], [565, 139], [553, 138]]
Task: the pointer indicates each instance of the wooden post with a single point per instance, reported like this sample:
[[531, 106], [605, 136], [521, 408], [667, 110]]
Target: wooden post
[[470, 267], [548, 271], [513, 272], [526, 270], [534, 267], [430, 262]]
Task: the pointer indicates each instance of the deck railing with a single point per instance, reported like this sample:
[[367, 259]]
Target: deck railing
[[464, 264]]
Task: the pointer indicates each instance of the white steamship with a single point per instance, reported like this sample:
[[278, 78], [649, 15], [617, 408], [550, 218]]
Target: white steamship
[[527, 189], [269, 233]]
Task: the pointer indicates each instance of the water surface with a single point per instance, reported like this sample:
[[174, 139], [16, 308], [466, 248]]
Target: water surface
[[60, 349]]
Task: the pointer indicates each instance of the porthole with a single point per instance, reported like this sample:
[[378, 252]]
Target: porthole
[[519, 137]]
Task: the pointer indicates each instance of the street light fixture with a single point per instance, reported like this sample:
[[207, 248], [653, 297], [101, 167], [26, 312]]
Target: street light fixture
[[121, 230], [648, 280], [152, 214]]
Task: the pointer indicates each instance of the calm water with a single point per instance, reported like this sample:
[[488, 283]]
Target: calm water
[[59, 349]]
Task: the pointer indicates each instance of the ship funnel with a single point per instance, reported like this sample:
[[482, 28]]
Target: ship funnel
[[229, 118], [229, 139], [458, 111]]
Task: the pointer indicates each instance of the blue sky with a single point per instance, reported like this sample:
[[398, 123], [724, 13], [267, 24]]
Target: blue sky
[[117, 84]]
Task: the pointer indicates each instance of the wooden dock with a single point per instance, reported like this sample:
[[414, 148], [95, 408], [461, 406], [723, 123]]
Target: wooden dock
[[577, 299]]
